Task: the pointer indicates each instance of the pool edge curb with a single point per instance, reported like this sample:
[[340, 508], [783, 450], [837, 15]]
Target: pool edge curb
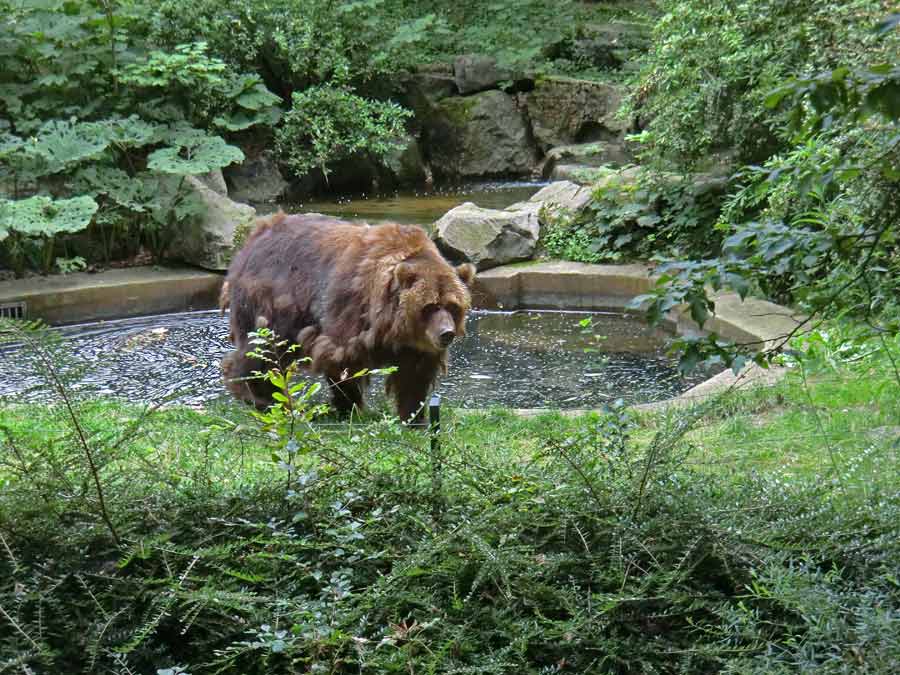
[[113, 294], [575, 286]]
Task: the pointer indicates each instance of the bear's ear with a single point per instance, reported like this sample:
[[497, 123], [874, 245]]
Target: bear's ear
[[466, 272], [405, 274]]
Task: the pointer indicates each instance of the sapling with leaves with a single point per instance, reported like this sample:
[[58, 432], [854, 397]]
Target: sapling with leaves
[[289, 419]]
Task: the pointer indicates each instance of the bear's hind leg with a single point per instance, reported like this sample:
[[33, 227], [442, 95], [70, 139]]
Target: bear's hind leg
[[347, 394]]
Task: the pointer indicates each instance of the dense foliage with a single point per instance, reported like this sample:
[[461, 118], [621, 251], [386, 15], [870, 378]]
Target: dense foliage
[[639, 214], [817, 225], [810, 91], [137, 540], [705, 81]]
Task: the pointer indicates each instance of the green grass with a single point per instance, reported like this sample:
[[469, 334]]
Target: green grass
[[804, 428], [799, 427]]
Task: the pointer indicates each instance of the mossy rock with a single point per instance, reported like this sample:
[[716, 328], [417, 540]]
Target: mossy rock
[[481, 135]]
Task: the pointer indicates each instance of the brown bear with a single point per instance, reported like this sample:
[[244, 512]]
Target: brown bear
[[353, 296]]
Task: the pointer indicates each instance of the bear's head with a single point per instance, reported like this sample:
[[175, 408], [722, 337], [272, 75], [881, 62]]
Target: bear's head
[[433, 300]]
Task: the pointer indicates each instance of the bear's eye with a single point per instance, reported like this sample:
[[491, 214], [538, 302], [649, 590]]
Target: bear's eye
[[430, 309], [455, 311]]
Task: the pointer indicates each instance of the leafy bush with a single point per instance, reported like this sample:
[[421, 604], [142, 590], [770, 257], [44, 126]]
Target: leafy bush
[[497, 29], [43, 219], [212, 95], [639, 215], [824, 216], [705, 81], [295, 45], [326, 124]]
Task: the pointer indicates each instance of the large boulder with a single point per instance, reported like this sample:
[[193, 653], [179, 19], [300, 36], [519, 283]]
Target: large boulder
[[476, 72], [480, 135], [209, 242], [406, 166], [559, 195], [256, 180], [564, 111], [600, 153], [434, 81], [215, 181], [422, 91], [488, 237], [580, 173]]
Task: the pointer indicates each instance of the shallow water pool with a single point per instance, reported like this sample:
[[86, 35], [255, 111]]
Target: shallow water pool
[[525, 359]]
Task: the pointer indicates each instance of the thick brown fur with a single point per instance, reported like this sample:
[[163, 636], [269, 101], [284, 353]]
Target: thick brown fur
[[354, 297]]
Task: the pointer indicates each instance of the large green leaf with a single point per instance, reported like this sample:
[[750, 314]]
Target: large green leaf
[[62, 144], [136, 193], [242, 119], [257, 97], [44, 216], [194, 156], [131, 132]]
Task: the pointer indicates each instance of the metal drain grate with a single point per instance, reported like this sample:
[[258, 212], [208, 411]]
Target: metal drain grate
[[13, 310]]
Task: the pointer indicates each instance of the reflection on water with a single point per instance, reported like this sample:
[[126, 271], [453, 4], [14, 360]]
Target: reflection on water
[[516, 360], [420, 208]]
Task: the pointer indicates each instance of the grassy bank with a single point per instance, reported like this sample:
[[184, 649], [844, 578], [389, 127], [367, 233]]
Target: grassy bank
[[756, 533]]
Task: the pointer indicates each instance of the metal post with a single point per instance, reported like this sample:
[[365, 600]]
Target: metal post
[[434, 429], [434, 420]]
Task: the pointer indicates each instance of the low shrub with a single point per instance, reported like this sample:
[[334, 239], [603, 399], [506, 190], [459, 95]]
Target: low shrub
[[640, 215]]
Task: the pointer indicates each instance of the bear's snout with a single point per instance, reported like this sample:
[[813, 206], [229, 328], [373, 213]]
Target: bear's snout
[[441, 329]]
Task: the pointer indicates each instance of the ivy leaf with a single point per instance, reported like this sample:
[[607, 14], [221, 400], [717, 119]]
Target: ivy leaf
[[699, 307], [194, 156], [43, 216]]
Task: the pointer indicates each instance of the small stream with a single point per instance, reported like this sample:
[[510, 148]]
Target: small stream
[[523, 359], [419, 208]]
